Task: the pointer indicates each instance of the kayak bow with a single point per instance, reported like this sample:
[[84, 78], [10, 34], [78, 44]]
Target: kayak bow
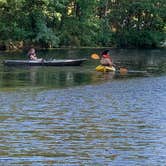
[[102, 68]]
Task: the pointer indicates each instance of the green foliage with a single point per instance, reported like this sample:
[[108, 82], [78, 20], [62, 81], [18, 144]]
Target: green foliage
[[56, 23], [45, 36], [139, 23], [139, 39]]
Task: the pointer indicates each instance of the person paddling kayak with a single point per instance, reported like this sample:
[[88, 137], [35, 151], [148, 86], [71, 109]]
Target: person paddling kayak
[[32, 55], [106, 62], [106, 59]]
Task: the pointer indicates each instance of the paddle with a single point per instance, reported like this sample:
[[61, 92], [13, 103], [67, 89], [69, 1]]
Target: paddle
[[121, 69], [95, 56]]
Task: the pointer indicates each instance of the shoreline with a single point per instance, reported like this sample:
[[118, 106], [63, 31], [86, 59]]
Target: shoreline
[[68, 48]]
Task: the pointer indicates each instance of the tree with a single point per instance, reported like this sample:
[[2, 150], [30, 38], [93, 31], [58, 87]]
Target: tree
[[57, 23], [138, 23]]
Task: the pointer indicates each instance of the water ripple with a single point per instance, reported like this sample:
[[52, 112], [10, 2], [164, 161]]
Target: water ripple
[[115, 123]]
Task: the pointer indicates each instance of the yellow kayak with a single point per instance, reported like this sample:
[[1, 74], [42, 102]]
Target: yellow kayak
[[102, 68]]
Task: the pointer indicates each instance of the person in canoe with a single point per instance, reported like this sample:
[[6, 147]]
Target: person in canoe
[[32, 55], [106, 62]]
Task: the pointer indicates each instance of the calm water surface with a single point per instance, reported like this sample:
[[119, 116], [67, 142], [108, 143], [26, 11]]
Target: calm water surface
[[75, 116]]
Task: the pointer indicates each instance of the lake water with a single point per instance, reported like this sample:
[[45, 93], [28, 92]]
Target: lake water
[[77, 116]]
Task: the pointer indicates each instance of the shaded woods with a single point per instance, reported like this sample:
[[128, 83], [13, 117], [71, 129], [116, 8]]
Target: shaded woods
[[75, 23]]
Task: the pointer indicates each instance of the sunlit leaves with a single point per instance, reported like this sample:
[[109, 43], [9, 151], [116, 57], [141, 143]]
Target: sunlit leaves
[[138, 23], [51, 23]]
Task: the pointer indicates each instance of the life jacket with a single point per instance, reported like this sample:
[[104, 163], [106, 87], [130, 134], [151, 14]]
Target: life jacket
[[106, 56]]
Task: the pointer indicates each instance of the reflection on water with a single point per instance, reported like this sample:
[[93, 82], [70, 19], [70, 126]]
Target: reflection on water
[[54, 77], [136, 61], [77, 116]]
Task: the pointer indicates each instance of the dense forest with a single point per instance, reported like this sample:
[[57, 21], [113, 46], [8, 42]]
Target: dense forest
[[82, 23]]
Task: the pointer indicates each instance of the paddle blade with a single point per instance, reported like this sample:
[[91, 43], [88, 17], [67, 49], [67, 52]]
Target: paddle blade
[[123, 71], [95, 56]]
